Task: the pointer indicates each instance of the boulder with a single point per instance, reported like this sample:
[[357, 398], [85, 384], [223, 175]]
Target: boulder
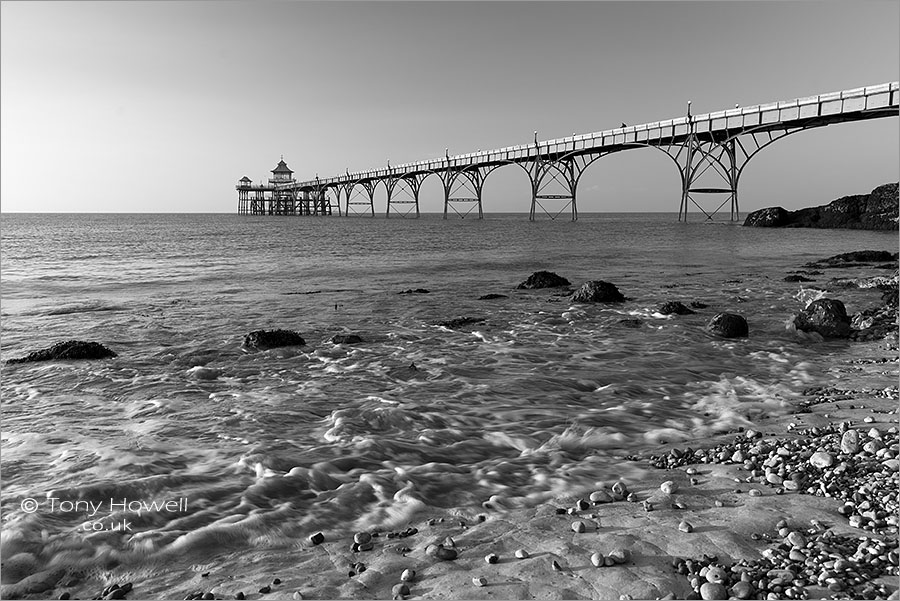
[[597, 291], [728, 325], [797, 278], [266, 339], [543, 279], [826, 316], [67, 351], [676, 307], [877, 210], [346, 339]]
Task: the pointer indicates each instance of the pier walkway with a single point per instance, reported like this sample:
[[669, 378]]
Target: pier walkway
[[711, 151]]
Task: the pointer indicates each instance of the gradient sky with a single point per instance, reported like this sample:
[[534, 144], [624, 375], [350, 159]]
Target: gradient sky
[[163, 106]]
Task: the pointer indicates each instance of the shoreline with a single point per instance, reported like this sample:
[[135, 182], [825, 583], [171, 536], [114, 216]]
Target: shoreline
[[728, 521], [729, 524]]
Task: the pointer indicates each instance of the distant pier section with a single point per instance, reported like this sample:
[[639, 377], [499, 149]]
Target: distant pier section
[[279, 196], [709, 150]]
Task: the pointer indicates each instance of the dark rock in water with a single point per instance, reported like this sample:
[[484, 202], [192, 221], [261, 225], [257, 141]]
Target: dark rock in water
[[631, 323], [266, 339], [889, 297], [858, 257], [414, 291], [877, 210], [770, 217], [68, 350], [728, 325], [674, 307], [491, 296], [460, 322], [597, 291], [346, 339], [797, 278], [543, 279], [826, 316], [698, 305]]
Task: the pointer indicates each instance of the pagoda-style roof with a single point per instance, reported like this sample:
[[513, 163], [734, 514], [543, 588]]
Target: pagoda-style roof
[[245, 179], [281, 167]]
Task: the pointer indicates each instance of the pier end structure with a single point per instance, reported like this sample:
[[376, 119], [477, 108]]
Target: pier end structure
[[279, 195]]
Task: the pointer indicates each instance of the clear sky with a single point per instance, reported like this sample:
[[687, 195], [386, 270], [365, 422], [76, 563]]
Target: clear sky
[[163, 106]]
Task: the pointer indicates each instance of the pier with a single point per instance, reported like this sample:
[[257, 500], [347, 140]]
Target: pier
[[710, 151]]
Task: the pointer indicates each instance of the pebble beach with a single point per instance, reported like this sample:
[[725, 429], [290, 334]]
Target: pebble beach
[[805, 508]]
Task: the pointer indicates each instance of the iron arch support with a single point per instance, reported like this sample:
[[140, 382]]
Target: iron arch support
[[411, 184], [464, 186], [369, 187]]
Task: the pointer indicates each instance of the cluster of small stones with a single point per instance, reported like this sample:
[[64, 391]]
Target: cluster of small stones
[[265, 590], [827, 394], [834, 461], [113, 591], [794, 561]]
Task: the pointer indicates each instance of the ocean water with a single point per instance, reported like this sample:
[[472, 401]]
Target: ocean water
[[202, 447]]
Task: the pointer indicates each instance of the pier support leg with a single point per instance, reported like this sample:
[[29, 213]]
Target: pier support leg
[[361, 193], [407, 188], [555, 180], [463, 187]]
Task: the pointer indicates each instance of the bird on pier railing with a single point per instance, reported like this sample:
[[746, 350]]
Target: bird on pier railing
[[624, 124]]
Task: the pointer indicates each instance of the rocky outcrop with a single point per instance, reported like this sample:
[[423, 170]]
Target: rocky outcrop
[[728, 325], [825, 316], [857, 258], [597, 291], [491, 296], [415, 291], [877, 210], [266, 339], [543, 279], [67, 351]]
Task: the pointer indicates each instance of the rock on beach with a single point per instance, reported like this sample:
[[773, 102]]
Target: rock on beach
[[597, 291], [675, 307], [543, 279], [267, 339], [728, 325], [825, 316]]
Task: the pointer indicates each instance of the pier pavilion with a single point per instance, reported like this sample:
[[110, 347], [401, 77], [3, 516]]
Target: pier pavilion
[[279, 196]]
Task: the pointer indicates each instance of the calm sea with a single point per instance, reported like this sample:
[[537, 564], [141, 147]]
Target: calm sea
[[540, 398]]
